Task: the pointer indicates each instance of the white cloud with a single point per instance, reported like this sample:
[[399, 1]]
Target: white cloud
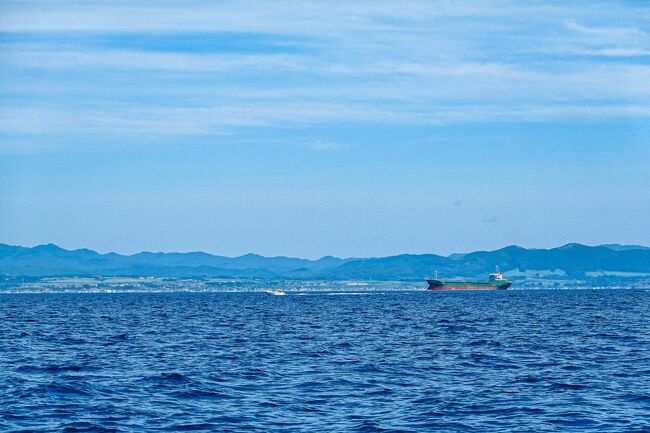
[[135, 121], [319, 145], [608, 34], [123, 59], [297, 17], [366, 62]]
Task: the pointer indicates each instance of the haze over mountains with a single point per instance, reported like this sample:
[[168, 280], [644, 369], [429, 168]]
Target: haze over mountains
[[571, 260]]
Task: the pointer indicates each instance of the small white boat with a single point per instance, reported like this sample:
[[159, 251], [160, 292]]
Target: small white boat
[[275, 292]]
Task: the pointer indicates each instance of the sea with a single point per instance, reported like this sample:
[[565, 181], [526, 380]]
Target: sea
[[349, 361]]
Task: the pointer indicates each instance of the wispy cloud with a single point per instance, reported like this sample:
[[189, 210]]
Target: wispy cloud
[[305, 17], [122, 59], [320, 146], [137, 121], [368, 62], [606, 41]]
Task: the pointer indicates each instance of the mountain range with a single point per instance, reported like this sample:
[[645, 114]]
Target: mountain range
[[568, 261]]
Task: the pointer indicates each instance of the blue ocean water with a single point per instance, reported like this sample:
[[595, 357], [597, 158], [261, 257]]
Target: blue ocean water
[[530, 360]]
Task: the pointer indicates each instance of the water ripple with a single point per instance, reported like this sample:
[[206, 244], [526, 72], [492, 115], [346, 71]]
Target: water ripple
[[396, 361]]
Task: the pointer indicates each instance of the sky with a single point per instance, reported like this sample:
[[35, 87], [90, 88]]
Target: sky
[[312, 128]]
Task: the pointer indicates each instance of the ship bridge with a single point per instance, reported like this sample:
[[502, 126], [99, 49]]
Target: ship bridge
[[496, 276]]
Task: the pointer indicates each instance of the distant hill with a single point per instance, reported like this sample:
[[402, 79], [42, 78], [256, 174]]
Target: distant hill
[[51, 260], [570, 261], [619, 247]]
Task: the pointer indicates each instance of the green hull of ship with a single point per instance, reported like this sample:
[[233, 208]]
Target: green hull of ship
[[467, 285]]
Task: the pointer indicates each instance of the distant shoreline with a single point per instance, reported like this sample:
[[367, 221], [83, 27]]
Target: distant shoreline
[[568, 265], [152, 285]]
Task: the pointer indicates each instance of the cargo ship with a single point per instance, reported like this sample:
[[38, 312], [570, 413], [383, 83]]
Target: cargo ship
[[495, 282]]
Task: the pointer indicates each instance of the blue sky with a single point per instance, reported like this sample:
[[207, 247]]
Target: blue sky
[[357, 128]]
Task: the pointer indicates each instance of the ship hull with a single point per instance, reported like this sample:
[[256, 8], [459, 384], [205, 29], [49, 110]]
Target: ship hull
[[465, 285]]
